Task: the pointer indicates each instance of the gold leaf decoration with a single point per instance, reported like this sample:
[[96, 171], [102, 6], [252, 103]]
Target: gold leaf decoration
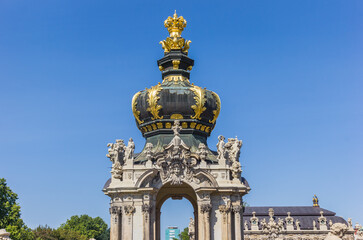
[[199, 101], [218, 109], [153, 101], [134, 110]]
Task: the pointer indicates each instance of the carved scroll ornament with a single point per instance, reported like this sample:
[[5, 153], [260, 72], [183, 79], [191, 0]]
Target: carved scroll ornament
[[199, 102], [152, 100]]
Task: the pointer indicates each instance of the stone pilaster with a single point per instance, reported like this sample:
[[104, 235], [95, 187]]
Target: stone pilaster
[[225, 211], [127, 225], [237, 211], [115, 226], [146, 209], [205, 208]]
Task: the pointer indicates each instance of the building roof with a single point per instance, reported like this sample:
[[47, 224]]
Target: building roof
[[305, 214]]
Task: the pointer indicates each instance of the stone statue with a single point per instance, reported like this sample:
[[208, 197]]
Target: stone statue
[[4, 235], [233, 147], [337, 231], [297, 223], [314, 225], [191, 229], [246, 226], [236, 170], [129, 153], [176, 128], [350, 224], [116, 153], [220, 147]]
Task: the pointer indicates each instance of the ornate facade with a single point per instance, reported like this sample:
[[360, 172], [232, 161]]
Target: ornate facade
[[176, 118]]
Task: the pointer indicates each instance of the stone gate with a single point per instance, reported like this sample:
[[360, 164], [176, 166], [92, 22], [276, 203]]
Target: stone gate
[[176, 118]]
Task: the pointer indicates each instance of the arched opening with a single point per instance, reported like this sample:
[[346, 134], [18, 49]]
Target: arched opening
[[175, 192]]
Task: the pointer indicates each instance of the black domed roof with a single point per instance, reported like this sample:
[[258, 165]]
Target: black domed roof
[[156, 108]]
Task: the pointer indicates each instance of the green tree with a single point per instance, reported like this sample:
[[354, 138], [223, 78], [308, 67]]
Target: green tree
[[44, 233], [86, 226], [184, 235], [10, 214], [47, 233]]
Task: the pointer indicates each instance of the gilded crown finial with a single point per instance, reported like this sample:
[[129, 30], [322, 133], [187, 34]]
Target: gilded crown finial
[[315, 201], [175, 26]]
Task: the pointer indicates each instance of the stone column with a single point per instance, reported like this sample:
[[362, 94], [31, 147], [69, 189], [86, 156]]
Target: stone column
[[201, 224], [205, 208], [237, 209], [146, 209], [127, 225], [226, 222], [115, 226]]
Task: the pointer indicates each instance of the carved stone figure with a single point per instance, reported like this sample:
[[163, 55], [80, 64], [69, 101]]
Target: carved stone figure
[[233, 147], [4, 235], [129, 153], [337, 231], [359, 234], [350, 224], [297, 223], [236, 170], [246, 226], [272, 229], [176, 128], [176, 162], [202, 151], [116, 153], [220, 147], [148, 151], [191, 229]]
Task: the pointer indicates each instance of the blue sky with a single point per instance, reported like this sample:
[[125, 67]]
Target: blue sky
[[289, 74]]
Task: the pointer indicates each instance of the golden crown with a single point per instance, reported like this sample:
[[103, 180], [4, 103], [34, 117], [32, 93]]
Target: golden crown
[[175, 25]]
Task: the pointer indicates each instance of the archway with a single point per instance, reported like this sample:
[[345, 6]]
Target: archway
[[175, 192]]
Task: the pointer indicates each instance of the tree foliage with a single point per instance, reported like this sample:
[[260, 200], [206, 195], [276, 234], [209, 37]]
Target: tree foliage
[[10, 214], [86, 226], [184, 235], [47, 233]]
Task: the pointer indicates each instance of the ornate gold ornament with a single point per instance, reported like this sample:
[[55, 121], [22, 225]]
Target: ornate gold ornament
[[218, 109], [134, 110], [175, 26], [199, 101], [176, 64], [190, 68], [153, 101], [161, 68], [176, 116]]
